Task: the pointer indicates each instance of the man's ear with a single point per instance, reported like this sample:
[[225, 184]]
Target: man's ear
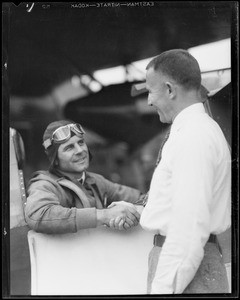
[[171, 89]]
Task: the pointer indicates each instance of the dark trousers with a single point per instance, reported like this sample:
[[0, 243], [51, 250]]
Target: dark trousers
[[211, 276]]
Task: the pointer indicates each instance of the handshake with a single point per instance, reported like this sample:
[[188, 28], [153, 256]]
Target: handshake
[[119, 215]]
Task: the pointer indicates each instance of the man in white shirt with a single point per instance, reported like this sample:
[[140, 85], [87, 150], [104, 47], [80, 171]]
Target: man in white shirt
[[189, 200]]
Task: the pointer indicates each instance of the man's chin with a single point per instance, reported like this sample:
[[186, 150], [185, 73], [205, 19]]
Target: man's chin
[[163, 119], [82, 167]]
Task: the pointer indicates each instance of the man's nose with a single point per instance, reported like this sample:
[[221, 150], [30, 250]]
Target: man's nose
[[78, 148]]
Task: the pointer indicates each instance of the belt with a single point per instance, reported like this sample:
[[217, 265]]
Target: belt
[[159, 239]]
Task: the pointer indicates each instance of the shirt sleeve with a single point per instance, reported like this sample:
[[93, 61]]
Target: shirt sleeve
[[189, 225], [44, 213]]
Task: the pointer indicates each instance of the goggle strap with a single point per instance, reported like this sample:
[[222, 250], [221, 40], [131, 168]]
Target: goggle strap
[[47, 143]]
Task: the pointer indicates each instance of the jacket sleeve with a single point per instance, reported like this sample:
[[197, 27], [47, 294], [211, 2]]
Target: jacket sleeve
[[44, 212], [118, 192]]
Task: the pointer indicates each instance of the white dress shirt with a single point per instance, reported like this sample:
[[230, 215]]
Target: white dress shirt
[[189, 197]]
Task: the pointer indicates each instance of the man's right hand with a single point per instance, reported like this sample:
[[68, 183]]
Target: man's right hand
[[126, 213]]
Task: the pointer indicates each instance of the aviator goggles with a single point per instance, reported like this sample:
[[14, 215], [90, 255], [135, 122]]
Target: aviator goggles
[[63, 133]]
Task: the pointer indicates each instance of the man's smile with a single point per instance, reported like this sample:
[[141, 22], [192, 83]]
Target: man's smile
[[80, 159]]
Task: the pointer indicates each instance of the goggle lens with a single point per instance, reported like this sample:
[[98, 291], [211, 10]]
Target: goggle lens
[[61, 134]]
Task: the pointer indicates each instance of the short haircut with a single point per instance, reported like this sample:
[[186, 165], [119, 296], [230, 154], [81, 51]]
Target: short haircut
[[179, 65]]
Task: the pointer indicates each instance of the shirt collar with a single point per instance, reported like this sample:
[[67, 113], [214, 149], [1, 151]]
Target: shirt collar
[[82, 179], [193, 109], [87, 178]]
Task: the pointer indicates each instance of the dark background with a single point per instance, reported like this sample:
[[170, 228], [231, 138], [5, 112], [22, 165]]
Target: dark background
[[47, 43]]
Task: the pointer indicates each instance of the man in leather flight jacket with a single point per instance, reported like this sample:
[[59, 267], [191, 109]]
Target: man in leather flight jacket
[[67, 198]]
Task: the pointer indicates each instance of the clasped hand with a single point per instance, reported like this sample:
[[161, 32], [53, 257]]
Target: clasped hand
[[124, 215]]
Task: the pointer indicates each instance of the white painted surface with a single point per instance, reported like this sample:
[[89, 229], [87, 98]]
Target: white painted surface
[[97, 261]]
